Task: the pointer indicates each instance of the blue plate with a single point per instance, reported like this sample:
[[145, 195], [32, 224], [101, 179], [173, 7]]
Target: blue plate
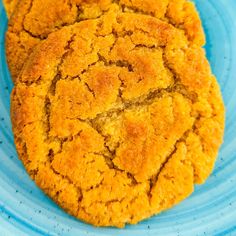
[[211, 210]]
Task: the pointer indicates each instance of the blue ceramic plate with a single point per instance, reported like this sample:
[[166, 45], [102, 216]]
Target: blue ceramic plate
[[211, 210]]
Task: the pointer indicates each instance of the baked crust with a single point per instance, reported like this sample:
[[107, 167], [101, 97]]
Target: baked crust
[[10, 6], [116, 118], [33, 21]]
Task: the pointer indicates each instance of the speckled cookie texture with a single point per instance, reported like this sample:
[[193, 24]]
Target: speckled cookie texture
[[10, 6], [117, 117], [33, 21]]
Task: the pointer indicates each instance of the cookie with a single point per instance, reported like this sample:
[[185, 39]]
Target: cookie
[[9, 6], [33, 21], [116, 118]]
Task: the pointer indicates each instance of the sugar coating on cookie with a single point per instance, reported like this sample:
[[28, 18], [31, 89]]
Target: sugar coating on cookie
[[116, 118], [33, 21]]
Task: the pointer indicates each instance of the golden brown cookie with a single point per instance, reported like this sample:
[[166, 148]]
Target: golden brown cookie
[[32, 21], [10, 6], [116, 118]]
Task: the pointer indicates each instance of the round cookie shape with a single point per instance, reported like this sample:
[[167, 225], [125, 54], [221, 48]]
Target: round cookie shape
[[116, 118], [33, 21]]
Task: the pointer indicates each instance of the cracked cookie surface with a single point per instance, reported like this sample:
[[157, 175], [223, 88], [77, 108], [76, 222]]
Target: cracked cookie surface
[[33, 21], [116, 118]]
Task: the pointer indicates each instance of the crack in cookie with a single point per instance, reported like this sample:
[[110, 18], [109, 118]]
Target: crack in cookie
[[117, 117], [31, 22]]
